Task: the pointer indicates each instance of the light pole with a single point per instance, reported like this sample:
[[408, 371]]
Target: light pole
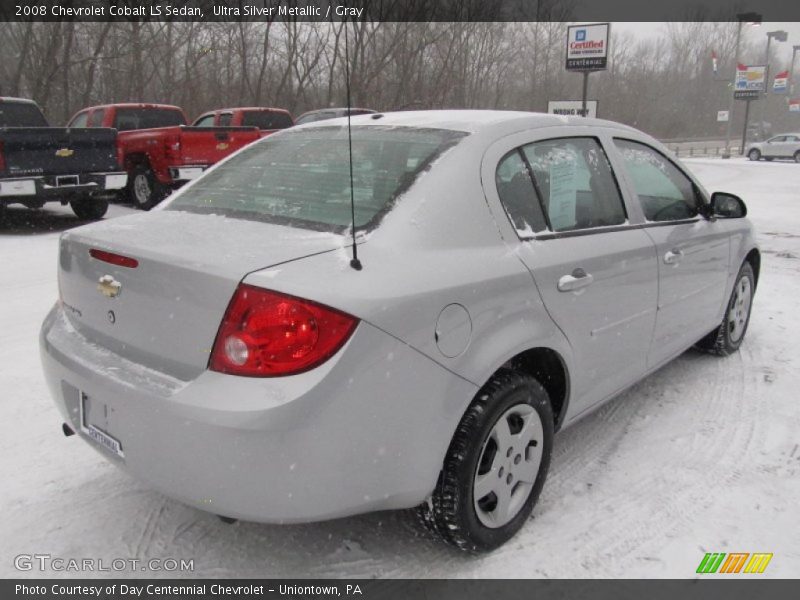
[[780, 36], [795, 50], [755, 19]]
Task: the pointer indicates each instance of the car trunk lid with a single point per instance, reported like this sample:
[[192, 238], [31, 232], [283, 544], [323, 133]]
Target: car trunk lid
[[164, 311]]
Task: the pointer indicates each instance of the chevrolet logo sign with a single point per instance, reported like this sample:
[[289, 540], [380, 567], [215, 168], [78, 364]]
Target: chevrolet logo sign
[[109, 287], [65, 152], [222, 146]]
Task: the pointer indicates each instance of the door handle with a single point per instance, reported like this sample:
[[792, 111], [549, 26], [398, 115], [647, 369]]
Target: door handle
[[673, 257], [575, 281]]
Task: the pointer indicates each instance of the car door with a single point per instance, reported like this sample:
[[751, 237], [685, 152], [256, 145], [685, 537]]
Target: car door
[[792, 145], [774, 147], [595, 271], [693, 252]]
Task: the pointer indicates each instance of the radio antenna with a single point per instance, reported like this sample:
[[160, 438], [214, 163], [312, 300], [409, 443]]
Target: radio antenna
[[354, 262]]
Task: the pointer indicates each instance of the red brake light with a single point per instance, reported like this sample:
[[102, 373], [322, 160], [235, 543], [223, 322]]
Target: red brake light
[[114, 259], [267, 334]]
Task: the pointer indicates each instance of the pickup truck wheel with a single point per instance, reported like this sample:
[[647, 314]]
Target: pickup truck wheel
[[754, 154], [495, 467], [89, 209], [144, 189], [727, 338]]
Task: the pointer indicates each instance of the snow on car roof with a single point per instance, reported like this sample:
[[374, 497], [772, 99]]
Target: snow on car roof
[[470, 121]]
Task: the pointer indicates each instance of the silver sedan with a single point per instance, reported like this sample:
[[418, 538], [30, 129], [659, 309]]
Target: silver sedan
[[785, 145], [514, 271]]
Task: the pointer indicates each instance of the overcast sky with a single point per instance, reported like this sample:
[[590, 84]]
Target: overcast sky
[[757, 34]]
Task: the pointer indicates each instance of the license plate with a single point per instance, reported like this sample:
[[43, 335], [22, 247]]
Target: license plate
[[116, 182], [90, 409], [26, 187], [190, 173]]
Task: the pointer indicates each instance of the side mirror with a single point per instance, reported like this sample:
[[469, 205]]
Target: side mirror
[[727, 206]]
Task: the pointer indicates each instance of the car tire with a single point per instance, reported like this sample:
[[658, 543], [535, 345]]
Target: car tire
[[89, 209], [510, 417], [728, 336], [797, 156], [144, 189], [754, 154]]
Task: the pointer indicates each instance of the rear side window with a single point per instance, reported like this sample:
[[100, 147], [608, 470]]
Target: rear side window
[[301, 178], [126, 119], [573, 183], [266, 120], [665, 192], [80, 121], [207, 121], [96, 120], [21, 114], [516, 191]]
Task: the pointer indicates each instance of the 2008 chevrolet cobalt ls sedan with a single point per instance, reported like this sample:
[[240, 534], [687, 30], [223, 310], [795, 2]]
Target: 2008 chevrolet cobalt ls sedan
[[518, 270]]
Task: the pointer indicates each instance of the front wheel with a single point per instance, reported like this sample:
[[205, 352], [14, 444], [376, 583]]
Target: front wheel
[[754, 154], [495, 467], [144, 189], [89, 209], [728, 337]]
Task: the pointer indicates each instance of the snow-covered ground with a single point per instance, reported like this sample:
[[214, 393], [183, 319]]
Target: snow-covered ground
[[703, 456]]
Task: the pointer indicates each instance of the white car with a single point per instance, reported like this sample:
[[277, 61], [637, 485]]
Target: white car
[[518, 271], [784, 145]]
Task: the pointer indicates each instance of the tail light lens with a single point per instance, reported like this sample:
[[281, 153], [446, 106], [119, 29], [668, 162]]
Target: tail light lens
[[267, 334]]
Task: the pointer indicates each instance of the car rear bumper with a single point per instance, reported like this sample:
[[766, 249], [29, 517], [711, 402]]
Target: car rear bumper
[[365, 431], [183, 173], [56, 187]]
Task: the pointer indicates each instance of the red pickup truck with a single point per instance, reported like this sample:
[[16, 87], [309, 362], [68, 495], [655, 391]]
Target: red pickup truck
[[268, 120], [158, 150]]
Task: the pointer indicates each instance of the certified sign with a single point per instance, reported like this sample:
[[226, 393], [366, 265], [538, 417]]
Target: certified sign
[[587, 47], [749, 81], [572, 108]]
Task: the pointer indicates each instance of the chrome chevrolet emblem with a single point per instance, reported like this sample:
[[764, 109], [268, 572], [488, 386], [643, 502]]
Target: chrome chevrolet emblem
[[109, 287]]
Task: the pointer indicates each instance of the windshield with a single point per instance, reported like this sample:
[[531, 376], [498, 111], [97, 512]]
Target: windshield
[[301, 178], [21, 114], [147, 118]]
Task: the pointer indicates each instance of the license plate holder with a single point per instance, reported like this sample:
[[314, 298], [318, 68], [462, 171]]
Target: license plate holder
[[89, 409]]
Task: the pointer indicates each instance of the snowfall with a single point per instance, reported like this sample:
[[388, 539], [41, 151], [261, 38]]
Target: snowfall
[[702, 456]]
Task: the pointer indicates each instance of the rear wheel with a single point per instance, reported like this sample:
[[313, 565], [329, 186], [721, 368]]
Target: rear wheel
[[728, 337], [754, 154], [144, 189], [89, 209], [495, 467]]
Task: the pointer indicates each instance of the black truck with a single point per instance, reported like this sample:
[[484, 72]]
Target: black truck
[[39, 163]]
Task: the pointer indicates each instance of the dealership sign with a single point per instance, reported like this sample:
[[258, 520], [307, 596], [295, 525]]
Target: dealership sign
[[587, 47], [572, 108], [749, 81], [780, 82], [794, 105], [722, 115]]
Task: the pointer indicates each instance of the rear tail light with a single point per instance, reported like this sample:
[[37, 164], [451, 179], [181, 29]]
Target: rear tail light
[[267, 334], [114, 259]]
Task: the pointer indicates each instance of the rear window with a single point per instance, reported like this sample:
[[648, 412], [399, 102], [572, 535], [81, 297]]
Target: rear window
[[21, 114], [301, 178], [266, 120], [126, 119]]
